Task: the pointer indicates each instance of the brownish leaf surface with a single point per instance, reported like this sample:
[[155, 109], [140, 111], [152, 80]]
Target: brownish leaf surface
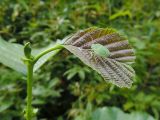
[[115, 68]]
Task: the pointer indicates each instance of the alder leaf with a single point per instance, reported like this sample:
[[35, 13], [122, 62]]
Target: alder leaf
[[114, 68]]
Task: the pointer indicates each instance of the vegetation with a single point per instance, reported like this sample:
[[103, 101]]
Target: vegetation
[[69, 89]]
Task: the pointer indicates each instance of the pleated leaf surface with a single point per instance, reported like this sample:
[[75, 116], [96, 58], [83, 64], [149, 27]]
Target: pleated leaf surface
[[116, 67]]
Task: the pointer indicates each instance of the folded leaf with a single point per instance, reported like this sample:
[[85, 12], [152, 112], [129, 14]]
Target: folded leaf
[[114, 68]]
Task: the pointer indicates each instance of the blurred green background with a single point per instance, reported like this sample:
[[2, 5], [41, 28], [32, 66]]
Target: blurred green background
[[66, 89]]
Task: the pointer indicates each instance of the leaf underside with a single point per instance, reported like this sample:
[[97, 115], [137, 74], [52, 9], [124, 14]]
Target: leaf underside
[[116, 67]]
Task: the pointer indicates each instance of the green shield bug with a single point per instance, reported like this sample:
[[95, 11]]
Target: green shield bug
[[100, 50]]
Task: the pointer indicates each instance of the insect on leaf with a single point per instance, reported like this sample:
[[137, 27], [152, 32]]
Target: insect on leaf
[[113, 62], [100, 50]]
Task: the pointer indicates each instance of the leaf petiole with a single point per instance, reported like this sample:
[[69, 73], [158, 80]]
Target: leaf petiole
[[56, 47]]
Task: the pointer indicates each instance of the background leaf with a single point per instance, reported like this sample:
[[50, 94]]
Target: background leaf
[[11, 55], [113, 113]]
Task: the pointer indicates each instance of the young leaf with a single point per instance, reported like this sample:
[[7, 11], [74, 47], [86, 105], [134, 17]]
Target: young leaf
[[115, 67], [27, 50]]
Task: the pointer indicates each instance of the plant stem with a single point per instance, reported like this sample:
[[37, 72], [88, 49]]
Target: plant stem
[[56, 47], [30, 65], [29, 91]]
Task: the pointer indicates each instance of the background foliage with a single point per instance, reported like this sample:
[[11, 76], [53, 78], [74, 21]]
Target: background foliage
[[69, 89]]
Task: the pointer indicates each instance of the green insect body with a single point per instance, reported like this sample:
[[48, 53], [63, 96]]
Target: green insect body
[[100, 50]]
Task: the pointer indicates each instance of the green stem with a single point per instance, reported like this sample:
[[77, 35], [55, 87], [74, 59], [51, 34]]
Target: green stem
[[56, 47], [29, 91], [30, 65]]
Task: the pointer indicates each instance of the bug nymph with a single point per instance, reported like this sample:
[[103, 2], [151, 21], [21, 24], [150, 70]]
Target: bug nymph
[[100, 50]]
